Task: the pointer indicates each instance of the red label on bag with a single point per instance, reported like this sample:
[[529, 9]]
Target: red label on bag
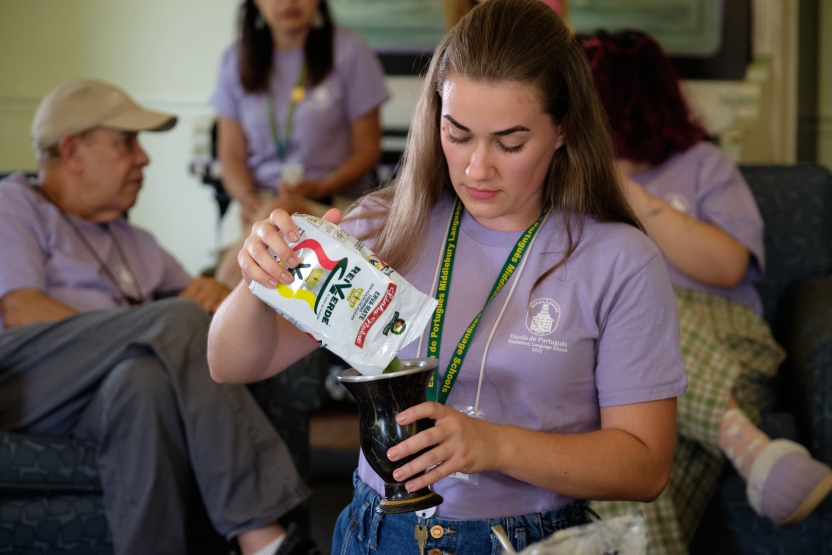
[[373, 317]]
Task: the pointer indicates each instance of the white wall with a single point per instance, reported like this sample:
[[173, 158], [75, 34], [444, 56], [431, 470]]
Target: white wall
[[163, 52]]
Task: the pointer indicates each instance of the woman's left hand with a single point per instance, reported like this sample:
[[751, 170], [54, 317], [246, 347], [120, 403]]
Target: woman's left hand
[[308, 188], [460, 443]]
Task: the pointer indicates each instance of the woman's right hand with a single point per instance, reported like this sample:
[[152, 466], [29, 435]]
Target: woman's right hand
[[255, 261]]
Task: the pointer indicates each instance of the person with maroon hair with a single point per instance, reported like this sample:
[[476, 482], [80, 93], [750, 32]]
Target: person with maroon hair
[[696, 206]]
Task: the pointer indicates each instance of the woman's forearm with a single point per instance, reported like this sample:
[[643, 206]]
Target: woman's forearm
[[701, 250], [248, 341], [241, 339], [628, 459], [604, 465], [232, 153], [365, 137], [353, 168], [236, 179]]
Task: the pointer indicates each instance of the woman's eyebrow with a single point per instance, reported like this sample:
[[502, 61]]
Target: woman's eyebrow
[[504, 132]]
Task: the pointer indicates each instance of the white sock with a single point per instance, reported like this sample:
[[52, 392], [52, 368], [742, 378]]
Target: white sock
[[272, 548]]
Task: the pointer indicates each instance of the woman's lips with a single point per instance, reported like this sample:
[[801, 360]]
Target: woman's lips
[[481, 194]]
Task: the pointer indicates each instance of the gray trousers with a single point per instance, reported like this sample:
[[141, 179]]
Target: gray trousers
[[136, 382]]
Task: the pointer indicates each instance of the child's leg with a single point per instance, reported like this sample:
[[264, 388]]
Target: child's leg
[[785, 483]]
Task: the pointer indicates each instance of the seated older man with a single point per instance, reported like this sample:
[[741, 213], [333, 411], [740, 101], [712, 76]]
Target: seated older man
[[85, 351]]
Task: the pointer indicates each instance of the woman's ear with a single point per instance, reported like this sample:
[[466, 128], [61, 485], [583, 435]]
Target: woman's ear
[[561, 140]]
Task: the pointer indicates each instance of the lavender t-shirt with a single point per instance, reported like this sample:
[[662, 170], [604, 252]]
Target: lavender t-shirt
[[600, 331], [40, 250], [704, 183], [320, 138]]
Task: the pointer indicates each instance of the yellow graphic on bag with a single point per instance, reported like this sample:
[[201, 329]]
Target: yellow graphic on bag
[[354, 296]]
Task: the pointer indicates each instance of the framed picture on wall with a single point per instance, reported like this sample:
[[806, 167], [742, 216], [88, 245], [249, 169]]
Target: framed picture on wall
[[394, 26], [405, 32]]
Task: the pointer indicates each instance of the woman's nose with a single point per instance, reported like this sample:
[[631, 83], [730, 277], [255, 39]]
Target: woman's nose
[[480, 167]]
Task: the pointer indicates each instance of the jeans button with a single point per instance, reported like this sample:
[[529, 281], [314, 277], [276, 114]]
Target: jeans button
[[436, 532], [435, 551]]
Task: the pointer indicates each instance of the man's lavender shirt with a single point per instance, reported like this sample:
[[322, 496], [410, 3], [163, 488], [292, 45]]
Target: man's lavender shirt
[[40, 250], [320, 138], [611, 338], [705, 183]]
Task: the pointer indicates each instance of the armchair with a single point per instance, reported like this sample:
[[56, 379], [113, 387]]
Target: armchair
[[796, 205]]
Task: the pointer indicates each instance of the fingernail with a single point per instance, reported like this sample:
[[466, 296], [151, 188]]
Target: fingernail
[[400, 419], [398, 475], [272, 283], [293, 235], [292, 261], [287, 278]]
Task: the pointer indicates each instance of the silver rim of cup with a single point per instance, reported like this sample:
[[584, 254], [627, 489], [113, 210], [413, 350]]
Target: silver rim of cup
[[409, 366]]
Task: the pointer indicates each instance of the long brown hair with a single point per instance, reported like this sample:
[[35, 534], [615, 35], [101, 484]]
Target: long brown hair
[[257, 48], [501, 41]]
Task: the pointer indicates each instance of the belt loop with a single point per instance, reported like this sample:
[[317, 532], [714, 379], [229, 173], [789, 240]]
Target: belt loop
[[363, 504], [375, 526], [540, 530]]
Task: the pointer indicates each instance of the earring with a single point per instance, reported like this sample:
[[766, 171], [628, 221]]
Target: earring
[[318, 21]]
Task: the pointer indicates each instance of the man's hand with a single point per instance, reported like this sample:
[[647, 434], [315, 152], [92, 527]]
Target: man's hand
[[28, 306], [207, 292]]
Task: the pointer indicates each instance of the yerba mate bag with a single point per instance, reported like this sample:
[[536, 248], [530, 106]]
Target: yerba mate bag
[[346, 298]]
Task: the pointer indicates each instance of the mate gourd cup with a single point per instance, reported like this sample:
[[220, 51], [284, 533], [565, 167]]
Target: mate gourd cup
[[380, 399]]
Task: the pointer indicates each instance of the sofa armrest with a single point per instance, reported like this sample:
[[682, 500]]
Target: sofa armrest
[[804, 328]]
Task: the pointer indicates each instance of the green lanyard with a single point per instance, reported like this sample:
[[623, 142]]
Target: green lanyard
[[442, 290], [281, 144]]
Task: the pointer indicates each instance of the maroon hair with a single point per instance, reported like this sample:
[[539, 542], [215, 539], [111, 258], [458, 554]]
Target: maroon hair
[[639, 89]]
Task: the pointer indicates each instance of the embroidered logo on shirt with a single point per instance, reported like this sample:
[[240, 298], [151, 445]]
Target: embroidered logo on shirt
[[543, 316]]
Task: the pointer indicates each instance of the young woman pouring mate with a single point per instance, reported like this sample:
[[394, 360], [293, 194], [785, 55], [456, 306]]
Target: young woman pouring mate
[[573, 368]]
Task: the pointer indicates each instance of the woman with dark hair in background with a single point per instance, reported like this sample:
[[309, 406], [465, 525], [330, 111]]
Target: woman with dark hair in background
[[574, 367], [298, 101], [695, 204]]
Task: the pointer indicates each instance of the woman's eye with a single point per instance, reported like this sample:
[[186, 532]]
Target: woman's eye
[[510, 149], [457, 141]]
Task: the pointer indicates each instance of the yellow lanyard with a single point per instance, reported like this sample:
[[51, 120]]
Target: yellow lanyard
[[281, 144]]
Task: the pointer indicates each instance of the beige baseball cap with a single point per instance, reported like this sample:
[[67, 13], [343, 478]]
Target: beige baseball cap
[[81, 104]]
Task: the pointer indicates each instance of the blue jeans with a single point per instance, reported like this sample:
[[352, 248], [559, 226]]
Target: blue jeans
[[359, 529]]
